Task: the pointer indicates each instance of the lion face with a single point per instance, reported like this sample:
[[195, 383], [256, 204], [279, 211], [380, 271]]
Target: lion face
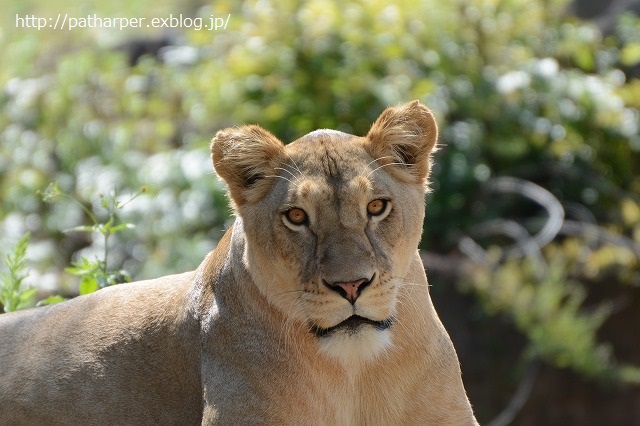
[[332, 222]]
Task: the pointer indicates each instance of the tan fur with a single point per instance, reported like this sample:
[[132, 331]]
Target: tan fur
[[247, 338]]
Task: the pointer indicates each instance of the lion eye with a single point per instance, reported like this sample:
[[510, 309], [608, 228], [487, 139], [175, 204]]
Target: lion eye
[[376, 207], [296, 216]]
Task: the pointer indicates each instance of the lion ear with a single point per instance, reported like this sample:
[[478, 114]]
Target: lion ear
[[406, 136], [245, 157]]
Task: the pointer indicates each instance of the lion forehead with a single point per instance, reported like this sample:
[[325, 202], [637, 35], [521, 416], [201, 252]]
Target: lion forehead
[[326, 155], [326, 133], [318, 186]]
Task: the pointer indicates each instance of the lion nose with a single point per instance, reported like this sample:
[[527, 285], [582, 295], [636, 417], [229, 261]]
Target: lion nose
[[349, 290]]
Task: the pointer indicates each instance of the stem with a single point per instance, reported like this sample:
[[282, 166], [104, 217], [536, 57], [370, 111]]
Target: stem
[[107, 234], [86, 210], [104, 262], [142, 191], [520, 397]]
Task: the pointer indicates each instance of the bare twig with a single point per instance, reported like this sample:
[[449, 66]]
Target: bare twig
[[546, 199], [526, 244], [454, 265], [519, 398], [592, 231]]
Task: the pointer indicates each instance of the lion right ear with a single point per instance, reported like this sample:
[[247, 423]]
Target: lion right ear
[[405, 136], [244, 157]]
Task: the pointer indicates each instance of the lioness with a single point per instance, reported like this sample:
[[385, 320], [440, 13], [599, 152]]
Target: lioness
[[314, 309]]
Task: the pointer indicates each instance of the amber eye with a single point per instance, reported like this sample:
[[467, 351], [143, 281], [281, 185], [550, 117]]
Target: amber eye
[[296, 216], [376, 207]]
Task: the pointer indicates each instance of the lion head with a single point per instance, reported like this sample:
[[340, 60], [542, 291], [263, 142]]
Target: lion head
[[332, 222]]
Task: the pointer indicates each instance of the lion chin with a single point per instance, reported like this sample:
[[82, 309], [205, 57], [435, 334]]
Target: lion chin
[[356, 340]]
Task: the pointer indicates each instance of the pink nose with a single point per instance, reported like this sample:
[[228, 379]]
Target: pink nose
[[350, 290]]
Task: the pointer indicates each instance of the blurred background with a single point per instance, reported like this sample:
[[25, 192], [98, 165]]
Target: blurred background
[[532, 234]]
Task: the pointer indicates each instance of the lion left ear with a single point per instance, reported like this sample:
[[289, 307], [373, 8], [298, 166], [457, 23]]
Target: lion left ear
[[405, 135], [245, 158]]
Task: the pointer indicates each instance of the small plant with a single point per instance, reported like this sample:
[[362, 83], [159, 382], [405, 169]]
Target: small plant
[[95, 274], [13, 294]]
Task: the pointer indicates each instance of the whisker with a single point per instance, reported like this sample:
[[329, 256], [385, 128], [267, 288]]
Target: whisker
[[384, 165], [378, 159], [282, 177], [296, 165], [288, 171], [300, 290]]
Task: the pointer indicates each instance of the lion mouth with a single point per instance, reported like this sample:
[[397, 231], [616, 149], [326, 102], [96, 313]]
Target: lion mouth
[[351, 325]]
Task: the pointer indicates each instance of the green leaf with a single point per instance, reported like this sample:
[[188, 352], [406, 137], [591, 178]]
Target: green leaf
[[12, 294], [106, 228], [630, 54], [74, 270], [51, 300], [26, 299], [27, 295], [583, 55], [122, 226], [88, 285], [103, 281], [84, 267], [52, 192], [84, 228]]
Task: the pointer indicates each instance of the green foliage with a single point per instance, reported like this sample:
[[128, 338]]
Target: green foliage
[[51, 300], [13, 294], [549, 311], [94, 274]]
